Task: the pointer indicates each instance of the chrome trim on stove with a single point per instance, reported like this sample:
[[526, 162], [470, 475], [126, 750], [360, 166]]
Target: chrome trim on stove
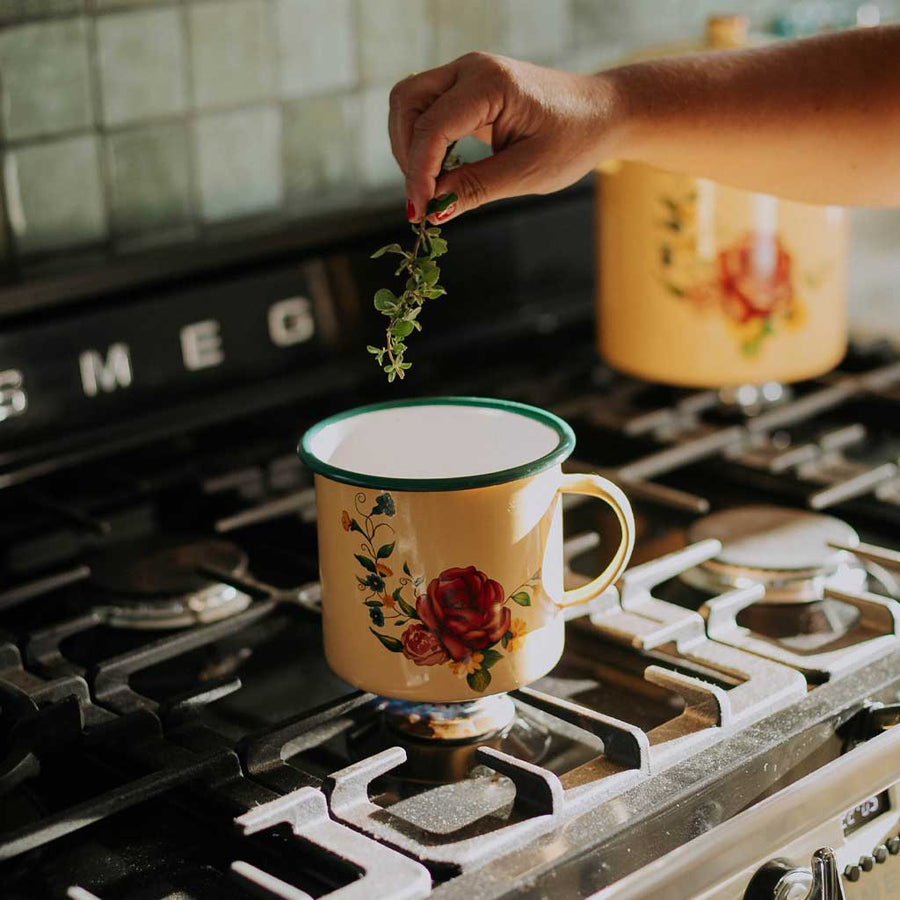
[[714, 859]]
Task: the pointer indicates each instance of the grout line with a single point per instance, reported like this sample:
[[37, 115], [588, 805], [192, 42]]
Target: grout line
[[104, 166], [188, 121]]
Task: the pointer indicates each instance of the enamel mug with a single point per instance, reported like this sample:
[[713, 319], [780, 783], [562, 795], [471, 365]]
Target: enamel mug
[[441, 544]]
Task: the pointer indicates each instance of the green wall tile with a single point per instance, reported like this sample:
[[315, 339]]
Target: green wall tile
[[320, 136], [54, 195], [20, 10], [149, 179], [315, 46], [238, 162], [44, 79], [394, 39], [464, 25], [536, 29], [105, 5], [141, 64], [377, 164], [231, 54]]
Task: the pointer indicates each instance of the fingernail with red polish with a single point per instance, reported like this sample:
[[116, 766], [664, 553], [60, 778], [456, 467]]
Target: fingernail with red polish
[[443, 216], [410, 211]]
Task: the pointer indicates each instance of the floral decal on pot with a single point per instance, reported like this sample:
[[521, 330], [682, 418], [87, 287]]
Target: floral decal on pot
[[461, 619], [752, 282]]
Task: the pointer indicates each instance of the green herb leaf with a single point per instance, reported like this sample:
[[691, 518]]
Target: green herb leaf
[[385, 300], [365, 562], [392, 644], [522, 598], [402, 329], [439, 204], [384, 551], [390, 248], [478, 680]]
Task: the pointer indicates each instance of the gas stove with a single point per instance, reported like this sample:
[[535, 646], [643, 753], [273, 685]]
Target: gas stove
[[720, 725]]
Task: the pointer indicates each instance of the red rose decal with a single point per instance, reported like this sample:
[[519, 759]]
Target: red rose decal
[[748, 293], [464, 608], [422, 646]]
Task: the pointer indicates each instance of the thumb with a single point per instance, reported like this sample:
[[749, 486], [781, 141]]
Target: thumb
[[499, 176]]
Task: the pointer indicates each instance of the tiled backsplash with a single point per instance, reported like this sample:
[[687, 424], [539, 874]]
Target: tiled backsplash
[[131, 123]]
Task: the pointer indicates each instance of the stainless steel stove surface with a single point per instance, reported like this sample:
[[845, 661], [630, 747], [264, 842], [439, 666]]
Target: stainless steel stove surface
[[169, 728]]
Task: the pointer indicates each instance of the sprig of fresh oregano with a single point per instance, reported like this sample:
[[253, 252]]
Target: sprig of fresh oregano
[[422, 283]]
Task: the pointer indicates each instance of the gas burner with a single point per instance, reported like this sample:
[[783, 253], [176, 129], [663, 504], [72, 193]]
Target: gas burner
[[441, 740], [163, 584], [804, 627], [786, 550], [450, 721]]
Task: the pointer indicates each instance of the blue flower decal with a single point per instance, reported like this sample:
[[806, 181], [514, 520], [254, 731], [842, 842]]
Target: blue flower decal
[[384, 505]]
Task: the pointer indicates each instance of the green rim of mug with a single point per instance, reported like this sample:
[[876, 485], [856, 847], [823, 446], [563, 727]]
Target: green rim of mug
[[563, 449]]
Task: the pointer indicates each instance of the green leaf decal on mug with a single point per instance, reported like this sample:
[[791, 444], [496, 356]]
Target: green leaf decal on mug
[[365, 562], [385, 551], [408, 610], [521, 598], [391, 643], [479, 680]]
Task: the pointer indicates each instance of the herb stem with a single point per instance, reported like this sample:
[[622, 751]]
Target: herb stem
[[421, 285]]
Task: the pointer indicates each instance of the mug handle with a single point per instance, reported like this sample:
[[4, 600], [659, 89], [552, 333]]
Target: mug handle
[[605, 490]]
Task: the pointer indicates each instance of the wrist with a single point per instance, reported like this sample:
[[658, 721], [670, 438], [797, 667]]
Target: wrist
[[616, 123]]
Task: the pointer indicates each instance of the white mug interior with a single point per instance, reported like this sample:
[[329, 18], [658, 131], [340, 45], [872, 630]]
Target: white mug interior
[[434, 441]]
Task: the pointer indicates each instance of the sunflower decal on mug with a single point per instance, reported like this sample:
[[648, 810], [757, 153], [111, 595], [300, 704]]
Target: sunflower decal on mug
[[462, 618]]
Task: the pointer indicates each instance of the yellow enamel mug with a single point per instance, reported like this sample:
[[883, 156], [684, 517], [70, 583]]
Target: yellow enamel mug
[[441, 544]]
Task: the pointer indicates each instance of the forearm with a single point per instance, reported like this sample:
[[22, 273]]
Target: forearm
[[815, 120]]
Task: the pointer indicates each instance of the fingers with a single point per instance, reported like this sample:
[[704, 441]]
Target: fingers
[[454, 114], [508, 173], [409, 99]]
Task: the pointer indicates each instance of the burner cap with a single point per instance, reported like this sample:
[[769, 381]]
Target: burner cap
[[785, 549], [160, 583], [163, 567]]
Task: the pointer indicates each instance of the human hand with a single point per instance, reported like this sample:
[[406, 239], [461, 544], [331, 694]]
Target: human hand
[[547, 128]]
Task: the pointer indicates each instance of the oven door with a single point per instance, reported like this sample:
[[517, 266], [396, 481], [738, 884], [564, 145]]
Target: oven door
[[851, 805]]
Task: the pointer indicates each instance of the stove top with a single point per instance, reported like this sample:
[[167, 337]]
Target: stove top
[[169, 728]]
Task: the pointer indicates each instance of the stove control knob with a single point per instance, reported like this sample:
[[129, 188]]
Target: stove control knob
[[852, 873], [779, 880], [893, 845]]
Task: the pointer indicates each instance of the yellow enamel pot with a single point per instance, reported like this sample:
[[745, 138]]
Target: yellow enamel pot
[[440, 544], [704, 285]]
